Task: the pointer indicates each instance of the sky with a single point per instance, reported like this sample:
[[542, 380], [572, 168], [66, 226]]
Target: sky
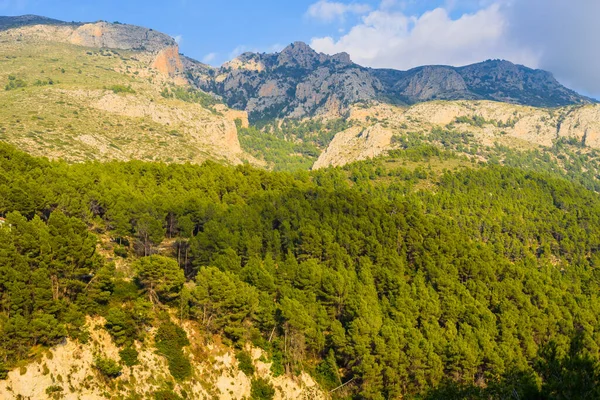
[[560, 36]]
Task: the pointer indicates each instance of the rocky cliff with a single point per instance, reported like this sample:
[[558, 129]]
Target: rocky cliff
[[97, 92], [163, 48], [299, 82], [488, 123]]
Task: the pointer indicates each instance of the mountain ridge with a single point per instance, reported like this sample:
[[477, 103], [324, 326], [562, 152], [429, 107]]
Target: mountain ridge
[[300, 82]]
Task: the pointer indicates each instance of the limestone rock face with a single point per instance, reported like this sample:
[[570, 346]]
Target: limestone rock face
[[168, 62], [217, 376], [583, 124], [299, 82], [121, 36], [431, 83], [356, 143], [163, 48], [527, 125], [98, 34]]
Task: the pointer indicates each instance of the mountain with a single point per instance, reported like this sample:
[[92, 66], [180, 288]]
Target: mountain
[[106, 91], [496, 80], [296, 82], [28, 20], [299, 82], [112, 91]]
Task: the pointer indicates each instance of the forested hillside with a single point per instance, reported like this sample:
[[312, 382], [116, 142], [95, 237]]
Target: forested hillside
[[398, 282]]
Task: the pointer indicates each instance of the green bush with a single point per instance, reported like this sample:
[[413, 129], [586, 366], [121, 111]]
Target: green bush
[[3, 371], [261, 390], [326, 372], [129, 356], [170, 340], [121, 326], [277, 368], [54, 390], [120, 251], [14, 83], [245, 362], [190, 95], [108, 367], [122, 89]]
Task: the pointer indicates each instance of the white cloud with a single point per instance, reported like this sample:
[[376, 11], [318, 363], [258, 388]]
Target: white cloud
[[391, 39], [555, 35], [241, 49], [565, 35], [210, 57], [178, 39], [329, 11]]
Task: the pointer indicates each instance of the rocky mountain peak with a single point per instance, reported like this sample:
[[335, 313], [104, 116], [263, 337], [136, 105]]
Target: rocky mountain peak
[[100, 34], [342, 58], [298, 54], [93, 34]]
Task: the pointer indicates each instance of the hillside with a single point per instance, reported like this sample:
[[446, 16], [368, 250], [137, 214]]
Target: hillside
[[107, 92], [381, 128], [290, 225], [399, 282], [69, 371]]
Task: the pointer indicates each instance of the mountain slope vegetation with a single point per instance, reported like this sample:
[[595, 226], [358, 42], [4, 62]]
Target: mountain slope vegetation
[[389, 285]]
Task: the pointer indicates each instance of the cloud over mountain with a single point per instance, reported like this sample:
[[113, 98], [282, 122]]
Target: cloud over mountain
[[549, 34]]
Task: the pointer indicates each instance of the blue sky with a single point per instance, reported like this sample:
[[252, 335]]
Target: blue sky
[[206, 27], [556, 35], [216, 27]]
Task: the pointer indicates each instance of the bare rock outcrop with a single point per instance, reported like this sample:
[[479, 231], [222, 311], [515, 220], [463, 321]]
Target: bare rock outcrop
[[67, 371], [120, 36], [168, 62], [163, 48], [487, 121]]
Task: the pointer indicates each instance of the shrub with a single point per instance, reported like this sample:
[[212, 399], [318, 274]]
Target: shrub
[[277, 368], [121, 251], [170, 340], [261, 390], [245, 363], [121, 326], [122, 89], [107, 367], [129, 356], [166, 395], [3, 371], [14, 83], [326, 372], [54, 389]]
